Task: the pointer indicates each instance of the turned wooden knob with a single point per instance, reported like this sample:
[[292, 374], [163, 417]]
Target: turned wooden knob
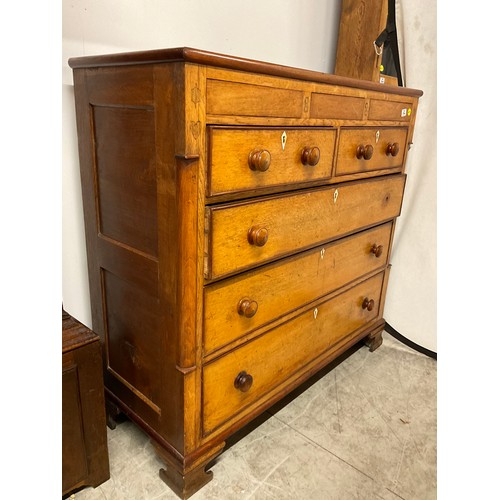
[[377, 250], [368, 304], [392, 149], [257, 236], [247, 307], [310, 156], [243, 381], [259, 159], [365, 152]]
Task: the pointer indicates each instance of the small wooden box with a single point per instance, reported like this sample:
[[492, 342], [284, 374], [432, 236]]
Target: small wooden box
[[85, 459]]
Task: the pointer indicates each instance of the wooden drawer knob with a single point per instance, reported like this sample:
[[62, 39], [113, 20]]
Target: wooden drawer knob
[[368, 304], [392, 149], [377, 250], [365, 152], [243, 381], [247, 307], [257, 236], [310, 156], [259, 159]]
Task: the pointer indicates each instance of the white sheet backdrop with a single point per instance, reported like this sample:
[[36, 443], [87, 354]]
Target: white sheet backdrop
[[411, 303]]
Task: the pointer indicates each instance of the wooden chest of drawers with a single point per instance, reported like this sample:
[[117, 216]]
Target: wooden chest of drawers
[[239, 218]]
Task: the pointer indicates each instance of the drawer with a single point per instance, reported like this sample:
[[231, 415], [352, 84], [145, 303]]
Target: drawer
[[273, 358], [243, 99], [367, 149], [337, 107], [243, 235], [242, 159], [239, 305], [389, 110]]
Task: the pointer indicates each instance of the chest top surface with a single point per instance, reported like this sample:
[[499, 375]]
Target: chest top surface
[[187, 54]]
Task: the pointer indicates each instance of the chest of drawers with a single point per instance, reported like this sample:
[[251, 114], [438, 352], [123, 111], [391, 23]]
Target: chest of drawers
[[239, 217]]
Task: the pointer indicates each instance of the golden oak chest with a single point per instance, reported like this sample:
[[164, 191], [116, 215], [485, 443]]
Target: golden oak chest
[[239, 218]]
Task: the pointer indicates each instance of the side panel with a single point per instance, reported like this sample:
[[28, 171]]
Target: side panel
[[119, 171]]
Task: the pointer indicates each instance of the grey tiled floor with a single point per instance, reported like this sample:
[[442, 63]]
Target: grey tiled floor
[[365, 430]]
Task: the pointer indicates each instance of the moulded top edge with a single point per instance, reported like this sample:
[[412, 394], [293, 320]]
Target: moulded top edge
[[187, 54]]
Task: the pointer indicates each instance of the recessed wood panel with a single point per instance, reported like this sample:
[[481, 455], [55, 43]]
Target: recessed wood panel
[[337, 107], [126, 176], [230, 98], [133, 335]]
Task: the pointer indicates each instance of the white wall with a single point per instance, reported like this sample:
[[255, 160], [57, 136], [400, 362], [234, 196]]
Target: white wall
[[301, 33]]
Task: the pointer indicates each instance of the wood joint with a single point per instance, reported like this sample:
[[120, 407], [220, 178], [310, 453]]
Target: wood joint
[[185, 370], [187, 157]]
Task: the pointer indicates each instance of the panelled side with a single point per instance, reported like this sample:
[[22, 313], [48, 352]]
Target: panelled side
[[121, 174]]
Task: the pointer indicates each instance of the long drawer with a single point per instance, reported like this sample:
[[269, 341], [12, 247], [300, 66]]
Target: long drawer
[[239, 305], [243, 159], [240, 378], [243, 235]]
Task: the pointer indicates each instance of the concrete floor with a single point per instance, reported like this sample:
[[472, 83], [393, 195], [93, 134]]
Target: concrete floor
[[365, 429]]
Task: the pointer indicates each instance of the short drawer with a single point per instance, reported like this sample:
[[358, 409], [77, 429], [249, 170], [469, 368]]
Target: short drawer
[[367, 149], [245, 375], [239, 305], [242, 159], [243, 99], [389, 110], [338, 107], [242, 235]]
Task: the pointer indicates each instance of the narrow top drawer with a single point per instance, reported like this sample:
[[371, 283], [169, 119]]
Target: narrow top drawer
[[340, 107], [244, 99], [389, 110], [242, 235], [243, 159]]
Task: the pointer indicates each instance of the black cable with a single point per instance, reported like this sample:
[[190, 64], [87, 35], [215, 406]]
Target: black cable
[[394, 333]]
